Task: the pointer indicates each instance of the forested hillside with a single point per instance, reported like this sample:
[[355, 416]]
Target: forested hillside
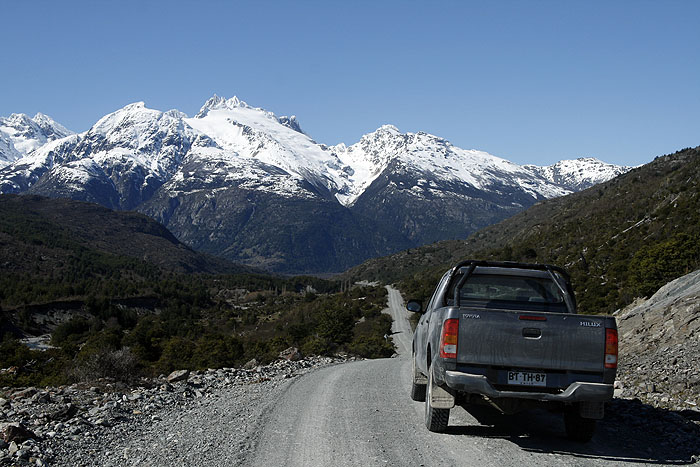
[[121, 298]]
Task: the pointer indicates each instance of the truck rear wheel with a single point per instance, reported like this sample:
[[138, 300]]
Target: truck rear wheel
[[435, 419], [417, 389], [578, 428]]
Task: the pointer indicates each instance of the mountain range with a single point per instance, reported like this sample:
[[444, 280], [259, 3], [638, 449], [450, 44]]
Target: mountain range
[[621, 239], [241, 183]]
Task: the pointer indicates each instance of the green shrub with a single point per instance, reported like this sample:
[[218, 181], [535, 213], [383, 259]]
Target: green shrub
[[317, 346], [146, 338], [371, 347], [335, 326], [176, 355], [30, 367], [216, 351], [120, 365], [74, 331], [655, 265]]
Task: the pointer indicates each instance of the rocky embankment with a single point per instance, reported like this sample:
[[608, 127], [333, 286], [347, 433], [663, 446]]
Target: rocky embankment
[[660, 347], [658, 385], [111, 424]]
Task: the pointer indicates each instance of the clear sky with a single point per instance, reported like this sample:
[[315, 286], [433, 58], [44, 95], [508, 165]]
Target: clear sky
[[533, 82]]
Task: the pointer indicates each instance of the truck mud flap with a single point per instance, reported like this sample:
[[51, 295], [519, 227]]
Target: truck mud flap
[[440, 398]]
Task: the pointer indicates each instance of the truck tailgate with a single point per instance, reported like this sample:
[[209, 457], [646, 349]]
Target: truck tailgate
[[513, 339]]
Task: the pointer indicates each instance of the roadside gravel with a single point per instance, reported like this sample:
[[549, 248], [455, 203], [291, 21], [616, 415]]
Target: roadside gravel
[[208, 418]]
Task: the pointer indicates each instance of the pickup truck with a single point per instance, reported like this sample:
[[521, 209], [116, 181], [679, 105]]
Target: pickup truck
[[507, 335]]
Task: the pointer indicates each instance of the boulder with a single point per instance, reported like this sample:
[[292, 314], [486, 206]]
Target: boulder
[[64, 413], [291, 354], [178, 375], [28, 392], [17, 432]]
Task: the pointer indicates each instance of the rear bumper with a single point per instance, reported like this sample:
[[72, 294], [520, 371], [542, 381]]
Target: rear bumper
[[576, 392]]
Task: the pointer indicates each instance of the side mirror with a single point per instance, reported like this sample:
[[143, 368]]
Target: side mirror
[[414, 306]]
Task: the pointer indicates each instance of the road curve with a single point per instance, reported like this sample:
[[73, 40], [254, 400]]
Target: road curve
[[360, 414]]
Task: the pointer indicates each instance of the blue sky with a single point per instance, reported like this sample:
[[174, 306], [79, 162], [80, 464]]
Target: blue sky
[[533, 82]]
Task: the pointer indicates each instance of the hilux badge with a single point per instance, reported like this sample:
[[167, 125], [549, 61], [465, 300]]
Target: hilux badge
[[590, 324]]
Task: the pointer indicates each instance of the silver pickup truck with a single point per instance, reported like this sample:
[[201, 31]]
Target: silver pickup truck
[[507, 335]]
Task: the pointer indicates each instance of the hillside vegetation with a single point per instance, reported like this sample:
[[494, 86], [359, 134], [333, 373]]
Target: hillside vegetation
[[121, 298], [619, 240]]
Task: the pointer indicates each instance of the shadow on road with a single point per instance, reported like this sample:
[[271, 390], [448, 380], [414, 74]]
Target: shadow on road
[[631, 432]]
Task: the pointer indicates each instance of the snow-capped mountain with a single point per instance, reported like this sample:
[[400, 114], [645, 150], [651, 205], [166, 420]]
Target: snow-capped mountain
[[240, 182], [20, 135], [579, 174]]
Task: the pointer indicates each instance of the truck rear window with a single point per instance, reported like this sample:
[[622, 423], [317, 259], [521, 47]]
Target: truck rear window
[[532, 293]]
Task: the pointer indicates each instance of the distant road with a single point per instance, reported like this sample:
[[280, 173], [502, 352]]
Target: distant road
[[360, 414], [401, 328]]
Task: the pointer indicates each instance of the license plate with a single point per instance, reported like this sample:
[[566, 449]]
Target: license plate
[[527, 378]]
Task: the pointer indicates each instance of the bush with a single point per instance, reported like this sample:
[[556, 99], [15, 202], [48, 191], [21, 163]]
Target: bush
[[335, 326], [146, 339], [216, 351], [371, 347], [177, 354], [120, 365], [74, 331], [317, 346], [655, 265]]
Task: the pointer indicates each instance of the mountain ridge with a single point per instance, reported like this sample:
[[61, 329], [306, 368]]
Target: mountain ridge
[[231, 156], [20, 135], [619, 240]]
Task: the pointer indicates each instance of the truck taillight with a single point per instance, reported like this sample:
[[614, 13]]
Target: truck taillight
[[610, 348], [448, 339]]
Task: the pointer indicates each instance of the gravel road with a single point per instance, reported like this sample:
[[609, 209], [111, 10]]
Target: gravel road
[[359, 414]]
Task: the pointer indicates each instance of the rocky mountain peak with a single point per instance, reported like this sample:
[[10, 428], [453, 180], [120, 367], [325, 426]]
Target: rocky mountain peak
[[388, 128], [20, 135], [291, 122], [217, 103], [580, 173]]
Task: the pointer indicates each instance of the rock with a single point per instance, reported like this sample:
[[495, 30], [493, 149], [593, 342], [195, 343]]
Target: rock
[[167, 387], [250, 365], [290, 354], [42, 397], [178, 375], [16, 432], [64, 413], [13, 448], [28, 392]]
